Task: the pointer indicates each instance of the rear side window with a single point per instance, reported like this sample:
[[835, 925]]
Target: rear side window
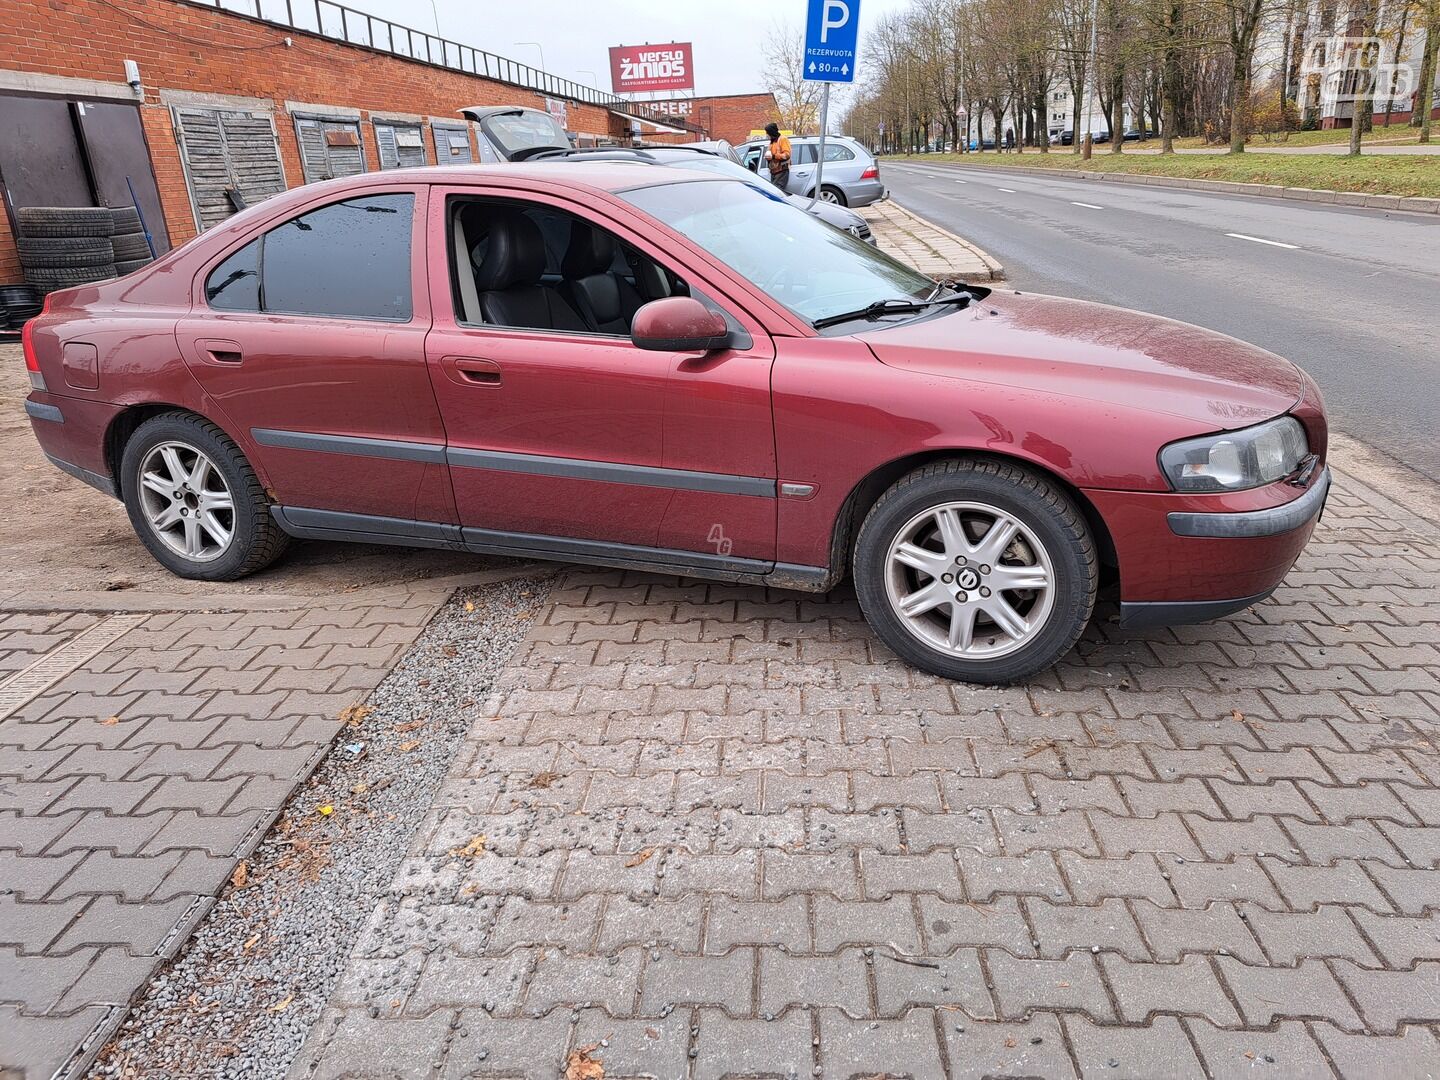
[[234, 285], [838, 152], [349, 259]]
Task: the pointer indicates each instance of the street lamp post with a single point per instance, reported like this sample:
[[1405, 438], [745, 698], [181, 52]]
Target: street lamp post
[[538, 48], [594, 79]]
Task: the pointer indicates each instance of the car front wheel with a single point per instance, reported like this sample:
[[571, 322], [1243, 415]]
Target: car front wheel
[[195, 502], [980, 571]]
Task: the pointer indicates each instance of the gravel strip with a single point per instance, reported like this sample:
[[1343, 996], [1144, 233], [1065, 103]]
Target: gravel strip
[[240, 998]]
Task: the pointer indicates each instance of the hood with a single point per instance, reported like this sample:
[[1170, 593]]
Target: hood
[[1078, 349]]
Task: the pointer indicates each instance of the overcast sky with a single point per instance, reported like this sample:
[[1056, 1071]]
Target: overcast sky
[[728, 35]]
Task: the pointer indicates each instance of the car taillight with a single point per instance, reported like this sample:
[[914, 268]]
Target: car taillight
[[872, 173], [27, 345]]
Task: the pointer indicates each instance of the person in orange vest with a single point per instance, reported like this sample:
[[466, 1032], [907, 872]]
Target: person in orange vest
[[779, 156]]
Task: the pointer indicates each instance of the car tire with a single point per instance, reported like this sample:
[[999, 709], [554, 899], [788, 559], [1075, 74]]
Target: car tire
[[129, 246], [58, 252], [126, 219], [64, 221], [831, 194], [129, 266], [170, 447], [1050, 542], [48, 280]]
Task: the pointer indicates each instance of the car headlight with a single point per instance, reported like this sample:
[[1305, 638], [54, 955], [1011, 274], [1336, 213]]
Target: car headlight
[[1236, 460]]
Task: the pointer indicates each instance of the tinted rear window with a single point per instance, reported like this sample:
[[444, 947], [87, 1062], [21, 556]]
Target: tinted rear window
[[234, 285]]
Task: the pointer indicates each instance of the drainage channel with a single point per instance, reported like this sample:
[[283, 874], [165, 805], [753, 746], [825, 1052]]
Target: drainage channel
[[30, 682]]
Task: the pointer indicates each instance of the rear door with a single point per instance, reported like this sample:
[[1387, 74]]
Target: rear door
[[310, 339]]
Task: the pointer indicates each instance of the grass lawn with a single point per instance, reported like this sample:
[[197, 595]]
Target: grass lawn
[[1393, 135], [1392, 175]]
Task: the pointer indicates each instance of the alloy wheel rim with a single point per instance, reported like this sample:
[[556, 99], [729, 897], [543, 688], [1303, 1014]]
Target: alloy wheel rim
[[970, 580], [186, 502], [829, 196]]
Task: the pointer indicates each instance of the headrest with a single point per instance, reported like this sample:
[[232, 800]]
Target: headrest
[[591, 251], [514, 253]]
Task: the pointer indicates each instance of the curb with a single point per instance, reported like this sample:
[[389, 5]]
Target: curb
[[1272, 191], [994, 270]]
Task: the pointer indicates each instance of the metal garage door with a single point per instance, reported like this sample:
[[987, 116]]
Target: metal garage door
[[329, 148], [399, 145], [452, 144], [231, 160]]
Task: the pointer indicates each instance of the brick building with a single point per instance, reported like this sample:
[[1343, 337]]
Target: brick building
[[729, 116], [225, 108]]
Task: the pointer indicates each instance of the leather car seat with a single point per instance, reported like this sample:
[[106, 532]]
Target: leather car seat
[[510, 264], [605, 299]]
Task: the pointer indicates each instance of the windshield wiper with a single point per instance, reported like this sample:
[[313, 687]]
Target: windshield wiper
[[897, 306]]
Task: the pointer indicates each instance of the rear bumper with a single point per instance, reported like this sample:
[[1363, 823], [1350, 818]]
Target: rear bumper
[[71, 433], [864, 192]]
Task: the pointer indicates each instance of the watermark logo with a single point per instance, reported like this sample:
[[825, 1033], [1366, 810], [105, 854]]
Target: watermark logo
[[1353, 69], [723, 544]]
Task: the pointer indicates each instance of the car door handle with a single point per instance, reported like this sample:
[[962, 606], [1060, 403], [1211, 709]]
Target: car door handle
[[221, 352], [472, 370]]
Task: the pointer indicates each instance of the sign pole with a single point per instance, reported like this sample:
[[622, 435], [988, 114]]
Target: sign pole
[[820, 150]]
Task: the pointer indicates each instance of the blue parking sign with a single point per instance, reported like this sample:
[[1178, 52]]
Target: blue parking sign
[[831, 27]]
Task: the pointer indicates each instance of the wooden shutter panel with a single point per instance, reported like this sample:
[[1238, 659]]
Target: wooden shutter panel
[[223, 150]]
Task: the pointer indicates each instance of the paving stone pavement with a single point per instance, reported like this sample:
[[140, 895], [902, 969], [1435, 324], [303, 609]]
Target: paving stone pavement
[[131, 787], [725, 833]]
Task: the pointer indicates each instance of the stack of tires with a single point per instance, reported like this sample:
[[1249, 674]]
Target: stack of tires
[[132, 250], [64, 246]]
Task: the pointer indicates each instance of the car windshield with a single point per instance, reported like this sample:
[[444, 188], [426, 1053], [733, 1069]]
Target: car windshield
[[816, 271]]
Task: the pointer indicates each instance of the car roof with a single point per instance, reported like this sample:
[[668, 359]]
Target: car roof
[[601, 175]]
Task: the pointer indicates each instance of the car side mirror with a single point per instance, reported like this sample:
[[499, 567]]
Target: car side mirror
[[678, 324]]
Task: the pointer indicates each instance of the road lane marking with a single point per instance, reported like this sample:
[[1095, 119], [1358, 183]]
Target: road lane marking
[[1009, 190], [962, 181], [1262, 240], [1087, 205]]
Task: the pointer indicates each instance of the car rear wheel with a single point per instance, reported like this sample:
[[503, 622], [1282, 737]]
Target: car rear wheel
[[195, 502], [833, 195], [976, 570]]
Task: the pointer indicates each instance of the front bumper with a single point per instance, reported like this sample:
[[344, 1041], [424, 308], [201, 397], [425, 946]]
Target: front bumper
[[1191, 558], [1270, 522]]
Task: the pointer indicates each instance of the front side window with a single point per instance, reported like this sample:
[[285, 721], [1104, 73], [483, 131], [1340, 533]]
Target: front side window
[[813, 269], [804, 154], [348, 259]]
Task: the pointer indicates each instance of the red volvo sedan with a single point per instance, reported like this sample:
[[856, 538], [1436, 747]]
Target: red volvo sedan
[[642, 367]]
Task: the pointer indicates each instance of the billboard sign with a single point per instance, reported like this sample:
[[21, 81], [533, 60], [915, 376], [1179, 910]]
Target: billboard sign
[[636, 69]]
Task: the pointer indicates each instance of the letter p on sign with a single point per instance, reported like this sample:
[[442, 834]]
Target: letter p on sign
[[835, 15]]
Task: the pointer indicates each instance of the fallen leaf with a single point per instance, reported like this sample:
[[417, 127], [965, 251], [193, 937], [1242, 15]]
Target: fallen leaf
[[651, 1033], [251, 942], [473, 849], [469, 605], [583, 1065], [544, 779], [281, 1006], [355, 714], [359, 789], [110, 721], [1011, 1043], [406, 747], [640, 856], [240, 877], [326, 810], [409, 725], [449, 650], [1237, 715]]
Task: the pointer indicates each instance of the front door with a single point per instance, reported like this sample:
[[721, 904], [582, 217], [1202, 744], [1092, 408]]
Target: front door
[[319, 369], [559, 428]]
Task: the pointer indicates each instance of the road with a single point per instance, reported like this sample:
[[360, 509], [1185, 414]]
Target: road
[[1351, 295]]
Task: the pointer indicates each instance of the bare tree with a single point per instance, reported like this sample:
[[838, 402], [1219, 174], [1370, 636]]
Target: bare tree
[[1425, 94], [798, 100]]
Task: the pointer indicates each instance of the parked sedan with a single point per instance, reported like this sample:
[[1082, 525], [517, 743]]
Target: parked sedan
[[647, 368]]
